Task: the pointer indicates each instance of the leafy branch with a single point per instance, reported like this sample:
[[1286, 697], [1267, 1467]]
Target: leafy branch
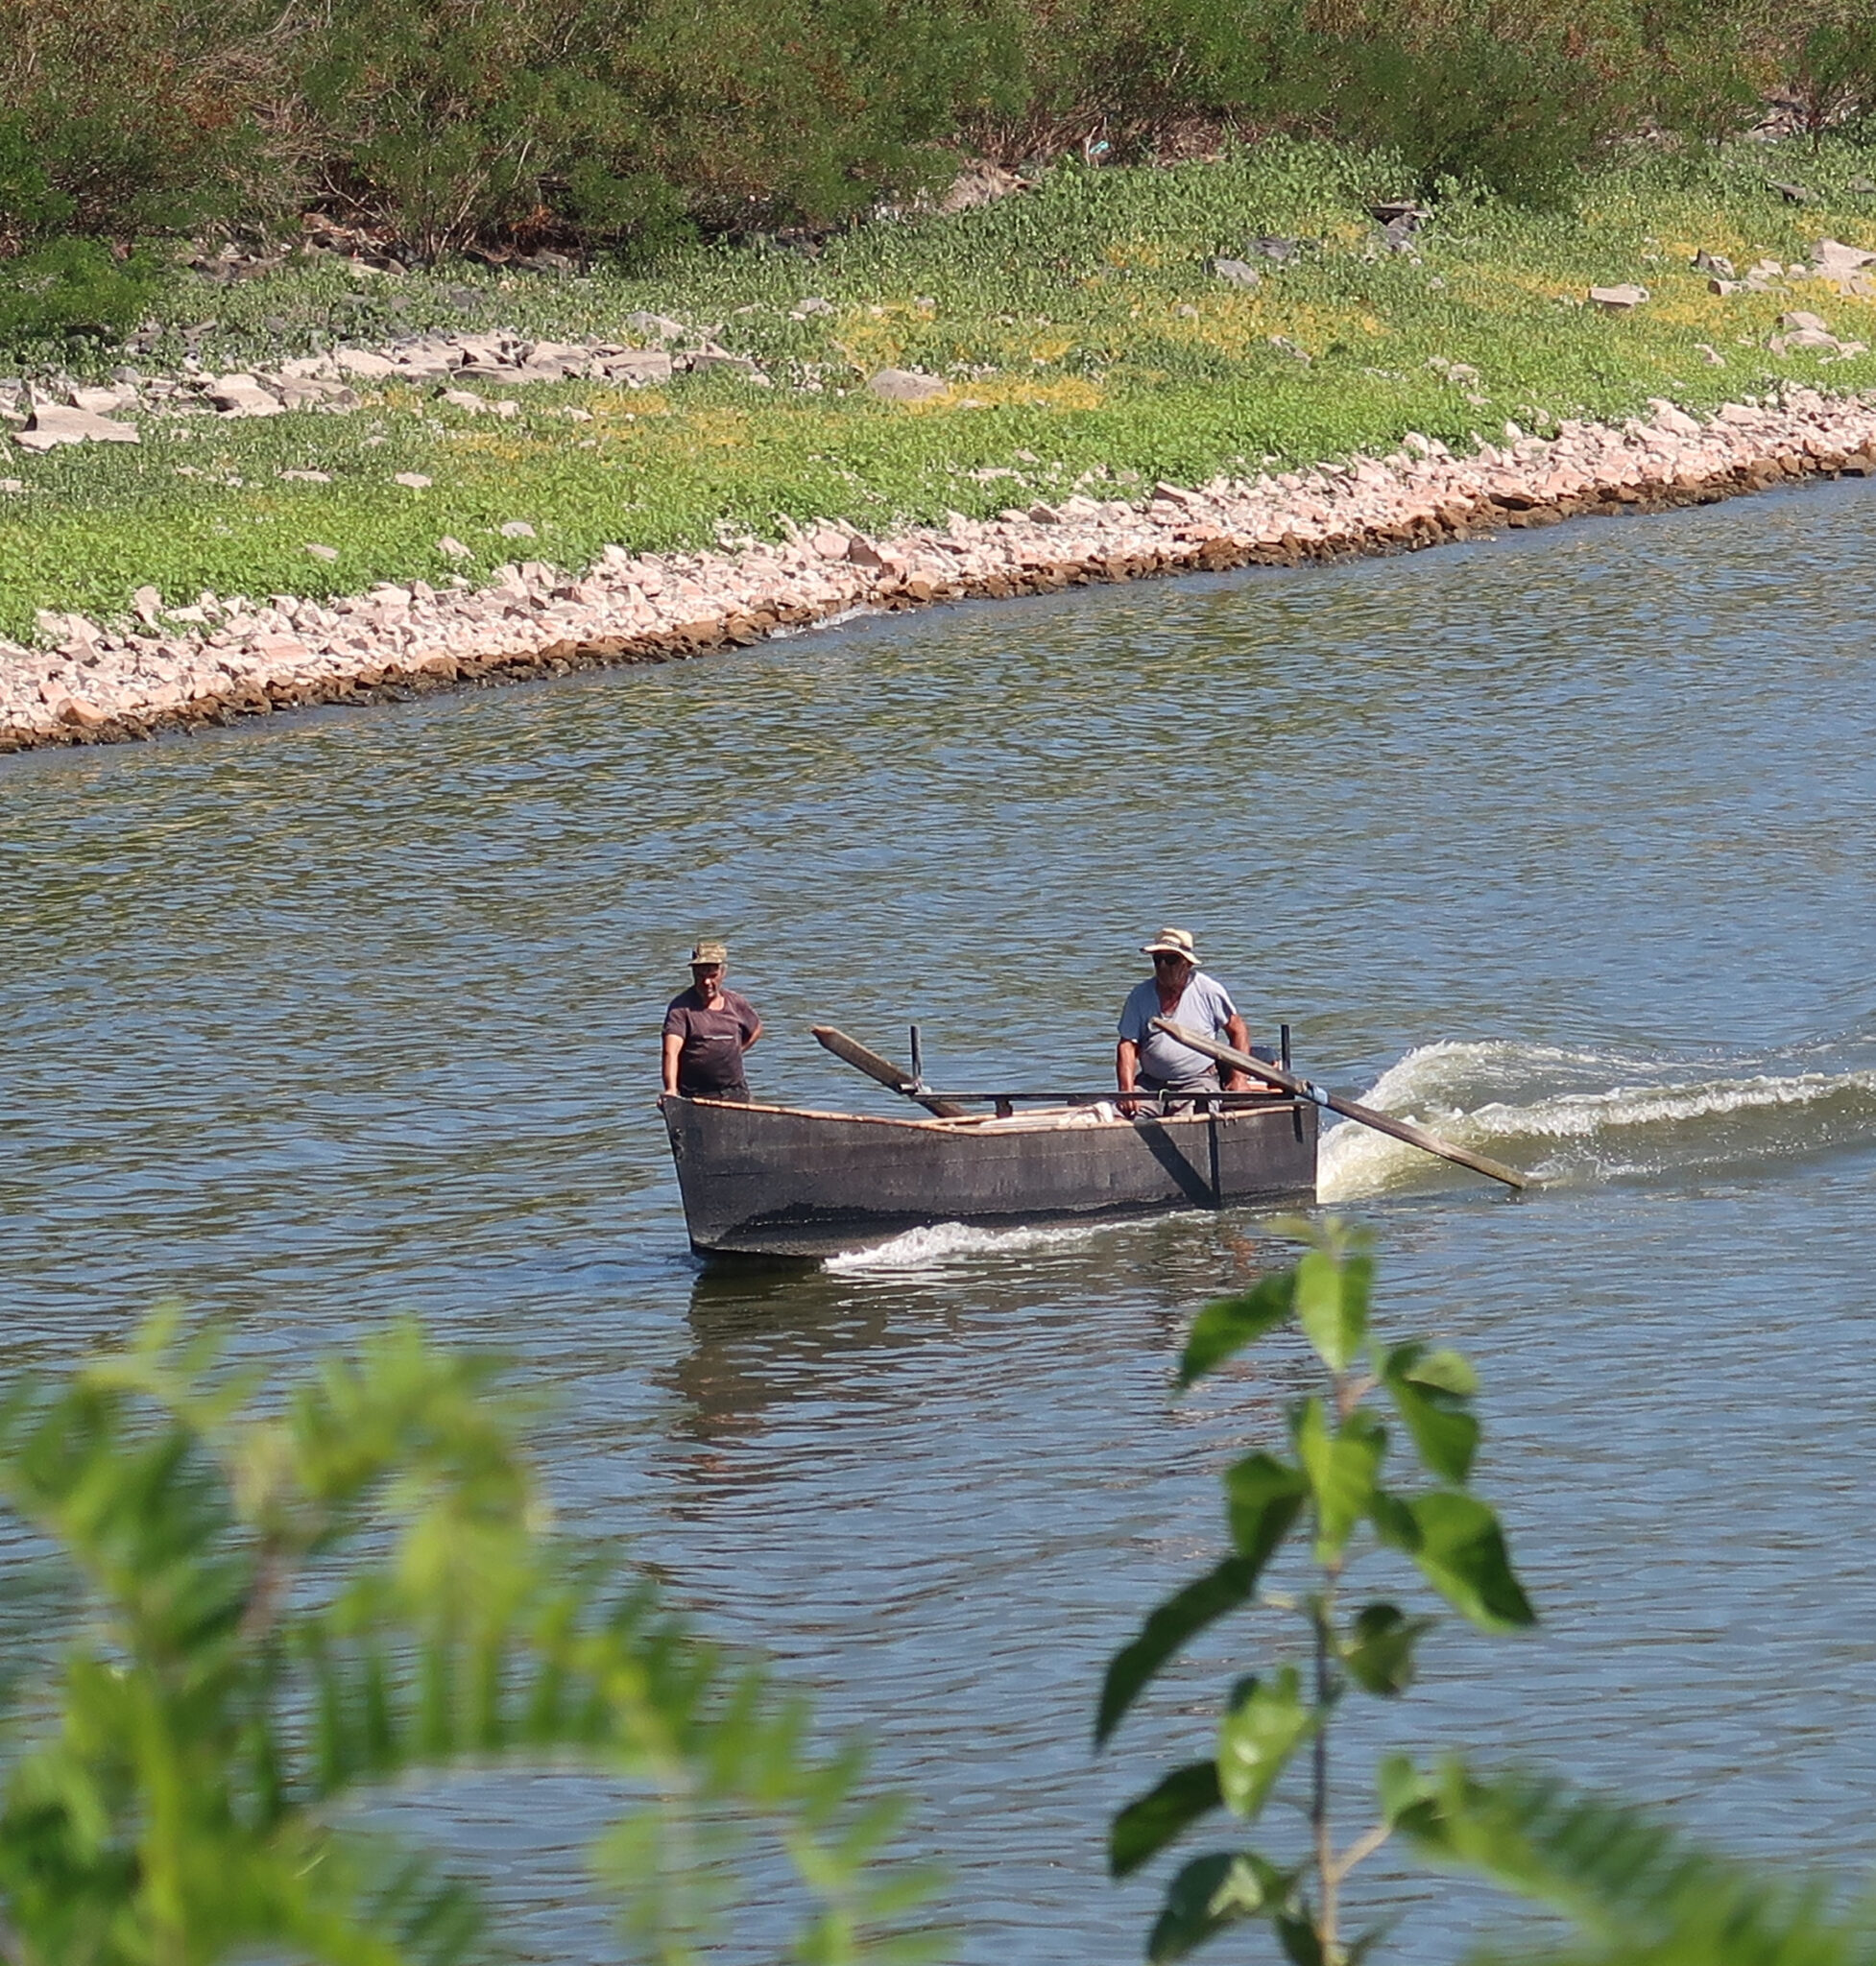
[[281, 1612], [1329, 1489]]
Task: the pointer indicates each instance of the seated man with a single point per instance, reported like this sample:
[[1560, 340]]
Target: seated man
[[1147, 1060]]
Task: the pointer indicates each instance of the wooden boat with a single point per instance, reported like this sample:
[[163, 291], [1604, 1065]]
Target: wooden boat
[[778, 1181]]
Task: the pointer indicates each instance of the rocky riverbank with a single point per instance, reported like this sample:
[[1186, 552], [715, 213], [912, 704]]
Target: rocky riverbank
[[105, 682]]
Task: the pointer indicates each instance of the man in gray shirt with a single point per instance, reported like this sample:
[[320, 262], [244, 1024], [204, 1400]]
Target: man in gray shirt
[[1147, 1060]]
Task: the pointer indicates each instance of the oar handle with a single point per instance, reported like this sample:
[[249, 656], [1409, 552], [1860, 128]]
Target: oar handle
[[1334, 1102]]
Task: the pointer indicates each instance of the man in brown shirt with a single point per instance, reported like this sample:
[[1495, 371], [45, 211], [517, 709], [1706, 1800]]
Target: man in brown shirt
[[706, 1030]]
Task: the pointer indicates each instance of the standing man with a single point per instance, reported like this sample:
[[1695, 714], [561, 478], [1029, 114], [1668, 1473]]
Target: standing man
[[706, 1030], [1147, 1060]]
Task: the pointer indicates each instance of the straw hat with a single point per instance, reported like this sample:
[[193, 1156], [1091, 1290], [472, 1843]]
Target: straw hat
[[1171, 941], [709, 952]]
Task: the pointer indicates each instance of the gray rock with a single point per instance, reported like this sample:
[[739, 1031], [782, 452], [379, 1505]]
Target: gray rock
[[1715, 263], [516, 529], [1236, 272], [327, 553], [1799, 319], [467, 399], [1836, 261], [1269, 247], [103, 402], [810, 307], [1815, 339], [981, 183], [659, 326], [1619, 299], [241, 395], [710, 356], [51, 425], [905, 386], [636, 367], [361, 362]]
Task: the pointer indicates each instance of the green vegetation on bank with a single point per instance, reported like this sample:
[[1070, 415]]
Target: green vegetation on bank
[[624, 123], [1085, 338]]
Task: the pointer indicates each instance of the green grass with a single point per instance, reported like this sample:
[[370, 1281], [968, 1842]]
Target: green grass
[[1086, 341]]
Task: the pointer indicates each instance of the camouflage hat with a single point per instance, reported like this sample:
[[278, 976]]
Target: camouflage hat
[[709, 952]]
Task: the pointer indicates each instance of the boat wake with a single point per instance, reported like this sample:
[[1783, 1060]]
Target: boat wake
[[1557, 1115], [950, 1243]]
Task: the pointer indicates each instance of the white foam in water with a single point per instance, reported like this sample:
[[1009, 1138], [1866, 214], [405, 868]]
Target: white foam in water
[[1587, 1133], [948, 1242]]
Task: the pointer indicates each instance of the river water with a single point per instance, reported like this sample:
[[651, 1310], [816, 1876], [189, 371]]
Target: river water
[[1560, 842]]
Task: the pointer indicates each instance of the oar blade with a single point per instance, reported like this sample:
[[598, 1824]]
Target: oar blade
[[851, 1051]]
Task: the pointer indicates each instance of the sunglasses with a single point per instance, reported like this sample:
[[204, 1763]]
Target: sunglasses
[[1160, 959]]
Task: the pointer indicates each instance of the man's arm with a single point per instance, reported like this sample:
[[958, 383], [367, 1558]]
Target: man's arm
[[1127, 1063], [756, 1030], [673, 1044], [1238, 1035]]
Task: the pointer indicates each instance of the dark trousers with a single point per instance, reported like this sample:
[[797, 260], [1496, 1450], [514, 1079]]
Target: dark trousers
[[1206, 1082], [737, 1094]]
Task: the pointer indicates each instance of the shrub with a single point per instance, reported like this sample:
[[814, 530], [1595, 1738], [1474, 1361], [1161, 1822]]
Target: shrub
[[73, 287], [137, 116], [1461, 105], [456, 120]]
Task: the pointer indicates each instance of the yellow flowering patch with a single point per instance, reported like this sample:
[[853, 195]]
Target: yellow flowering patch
[[1142, 255], [1067, 393], [870, 343]]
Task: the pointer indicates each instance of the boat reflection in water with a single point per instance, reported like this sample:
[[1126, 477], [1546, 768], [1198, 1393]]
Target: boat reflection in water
[[777, 1181]]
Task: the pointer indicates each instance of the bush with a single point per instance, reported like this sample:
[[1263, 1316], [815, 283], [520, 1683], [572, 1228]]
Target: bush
[[456, 120], [1463, 105], [73, 287], [132, 117]]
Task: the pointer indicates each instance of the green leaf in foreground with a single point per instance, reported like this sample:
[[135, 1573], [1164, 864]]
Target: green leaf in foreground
[[1633, 1887], [1461, 1553], [1267, 1724], [1331, 1304], [1342, 1469], [1150, 1822], [1223, 1328], [1220, 1590], [1264, 1496], [1208, 1895], [1379, 1651], [1430, 1390]]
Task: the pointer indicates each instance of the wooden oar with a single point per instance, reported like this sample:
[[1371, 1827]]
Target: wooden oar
[[883, 1069], [1365, 1115]]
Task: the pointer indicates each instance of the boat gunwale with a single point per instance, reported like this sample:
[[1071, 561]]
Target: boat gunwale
[[962, 1125]]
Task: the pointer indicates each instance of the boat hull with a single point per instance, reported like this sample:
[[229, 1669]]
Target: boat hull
[[773, 1180]]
